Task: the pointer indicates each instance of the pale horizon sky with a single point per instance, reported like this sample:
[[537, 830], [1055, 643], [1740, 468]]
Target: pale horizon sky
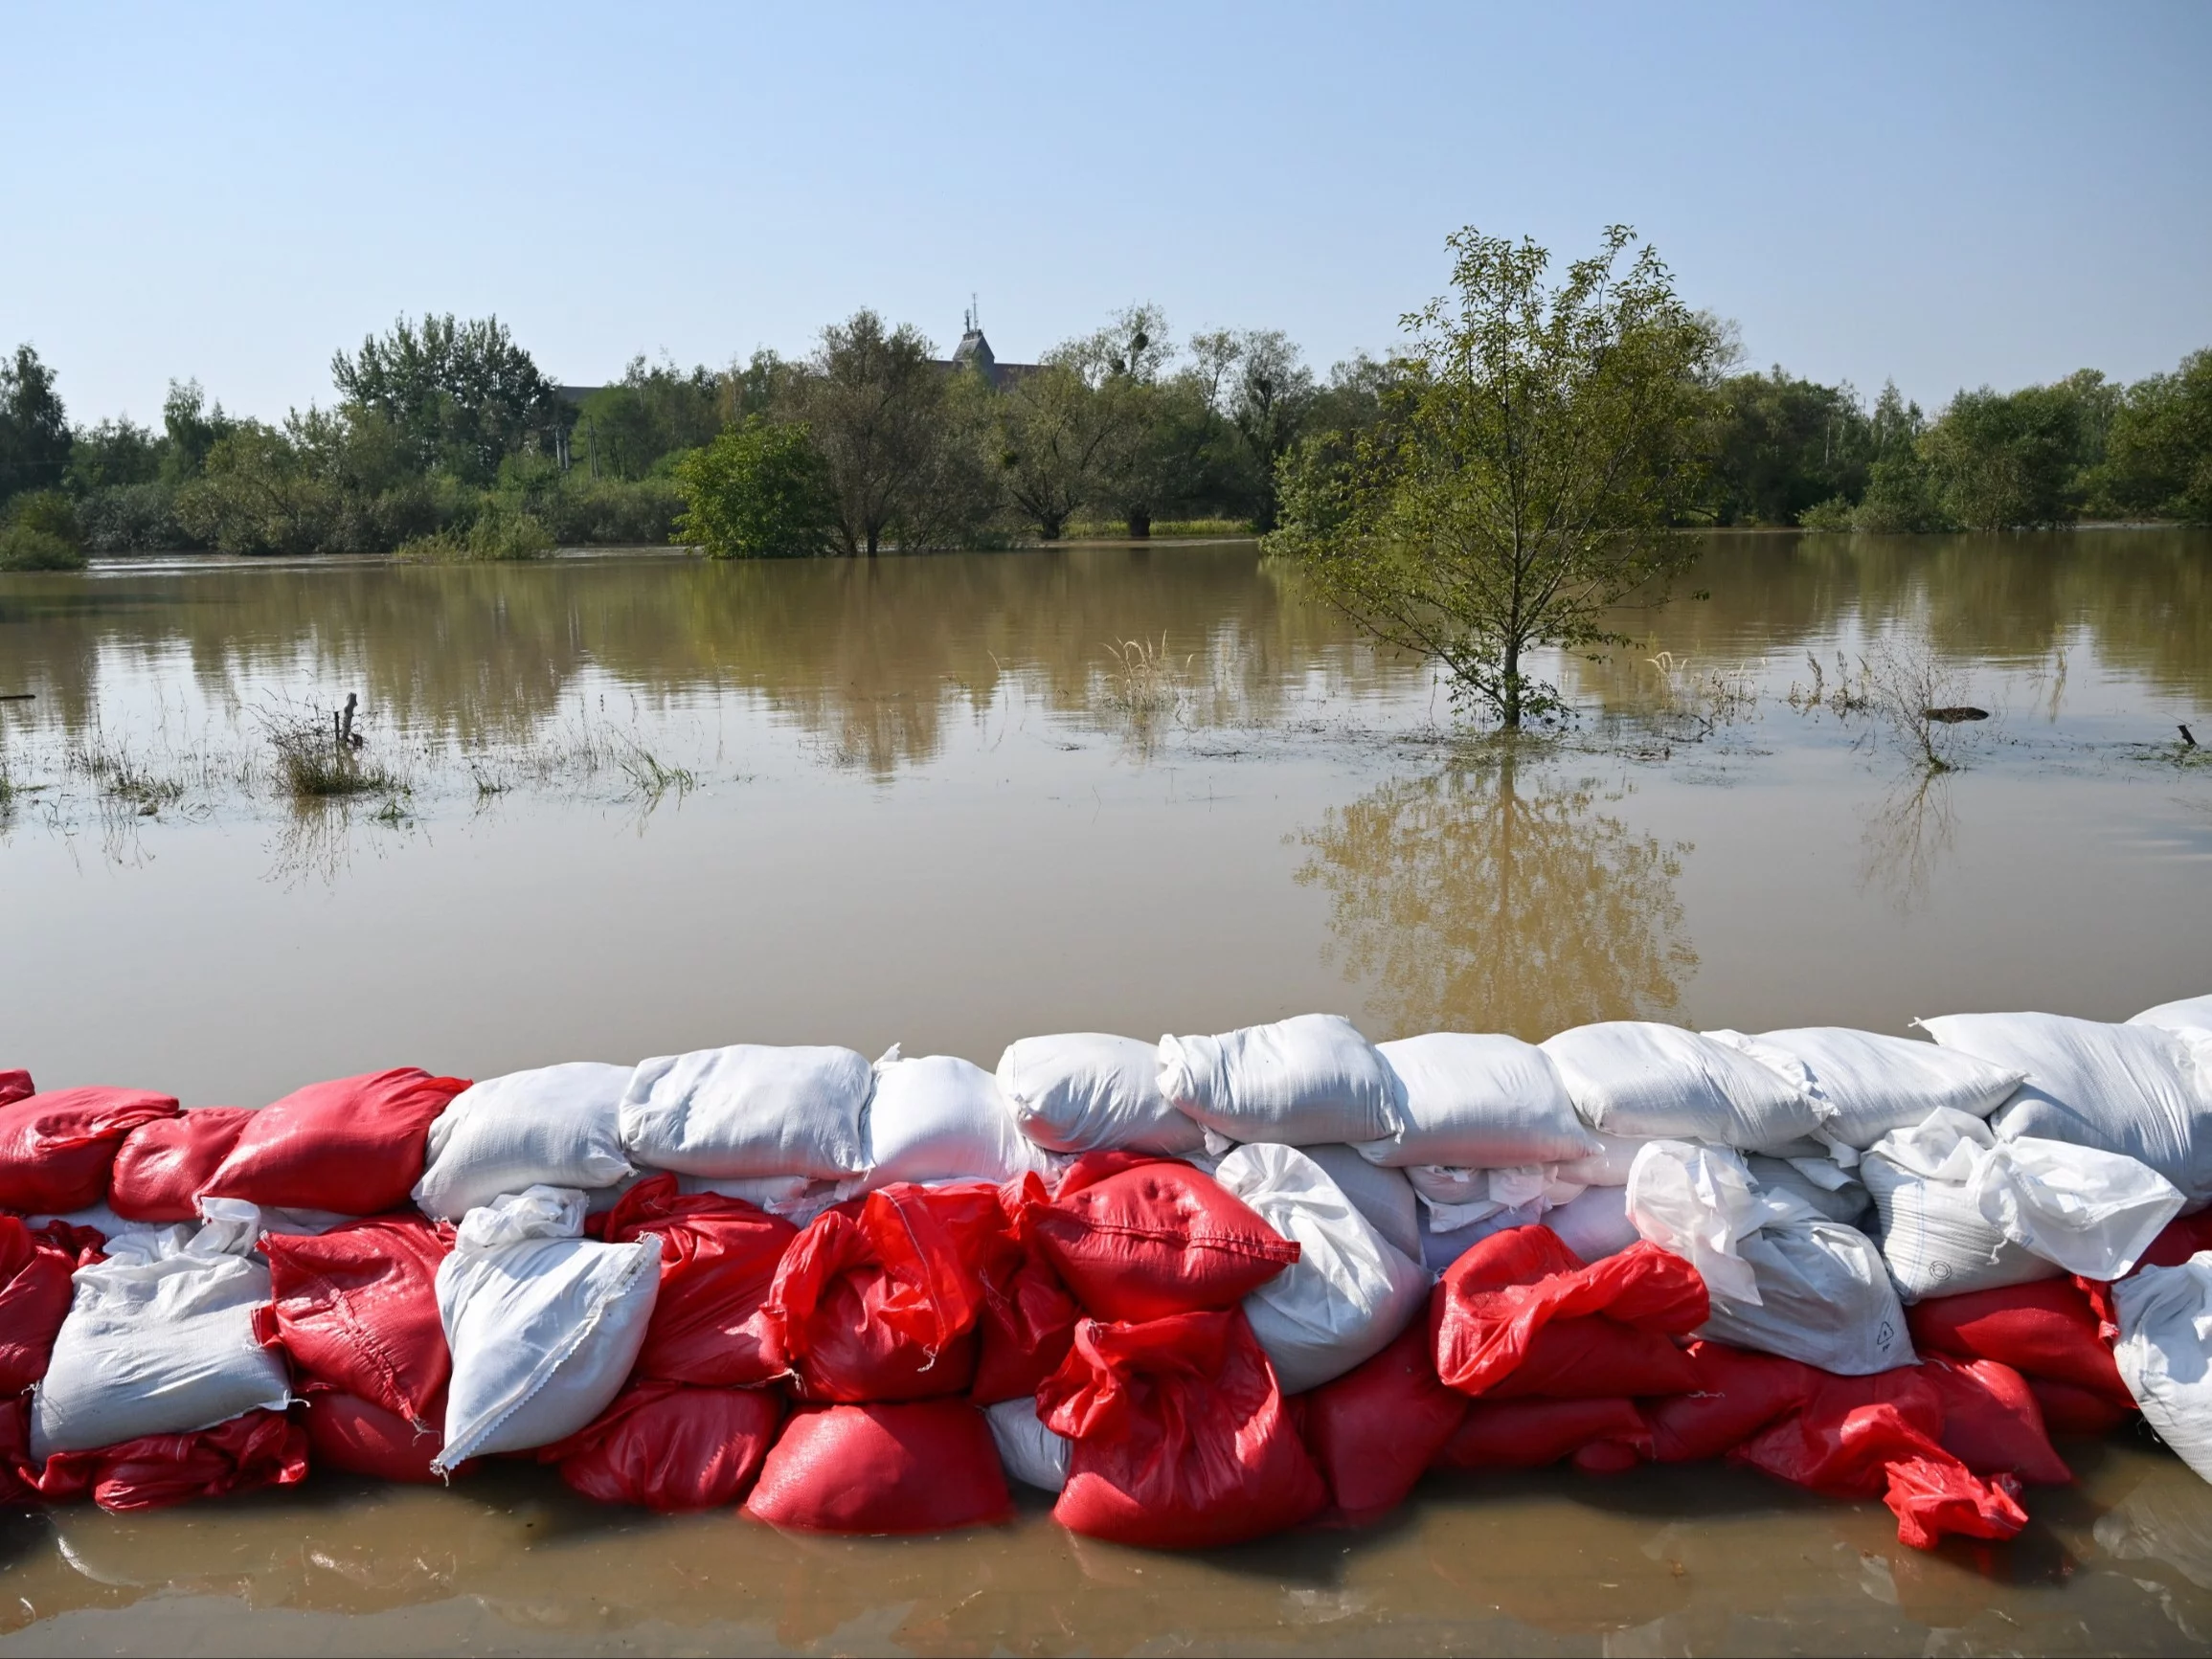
[[1950, 194]]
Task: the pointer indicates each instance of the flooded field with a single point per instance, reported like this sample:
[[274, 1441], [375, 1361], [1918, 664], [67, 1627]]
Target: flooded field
[[624, 806]]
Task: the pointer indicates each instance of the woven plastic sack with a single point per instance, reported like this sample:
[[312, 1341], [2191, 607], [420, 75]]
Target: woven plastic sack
[[1181, 1439], [2164, 1354], [1156, 1239], [357, 1436], [718, 1259], [355, 1310], [1991, 1423], [352, 1146], [1086, 1091], [1868, 1083], [1028, 1318], [2190, 1014], [664, 1447], [34, 1297], [1306, 1080], [1736, 1394], [543, 1324], [922, 1467], [15, 1084], [1030, 1452], [556, 1125], [939, 1118], [1594, 1225], [259, 1448], [1382, 1194], [162, 1167], [1603, 1436], [1374, 1430], [57, 1149], [2044, 1330], [750, 1109], [1478, 1101], [1641, 1080]]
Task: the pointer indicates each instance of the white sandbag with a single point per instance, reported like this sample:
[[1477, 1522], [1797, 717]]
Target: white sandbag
[[1933, 1235], [1606, 1167], [1348, 1295], [2191, 1014], [2135, 1090], [1639, 1078], [2164, 1354], [159, 1339], [1030, 1452], [1482, 1101], [1594, 1225], [794, 1198], [1783, 1278], [750, 1111], [939, 1118], [1440, 1250], [1846, 1200], [543, 1324], [1868, 1084], [1383, 1195], [556, 1125], [1306, 1080], [1455, 1198], [1086, 1091]]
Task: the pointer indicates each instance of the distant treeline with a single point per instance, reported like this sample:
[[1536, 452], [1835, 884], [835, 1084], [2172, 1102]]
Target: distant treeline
[[446, 435]]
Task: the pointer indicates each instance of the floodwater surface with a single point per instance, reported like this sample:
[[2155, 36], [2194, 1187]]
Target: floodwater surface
[[627, 806]]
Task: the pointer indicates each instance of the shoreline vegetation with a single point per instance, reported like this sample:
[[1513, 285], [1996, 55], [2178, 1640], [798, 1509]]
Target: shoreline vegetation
[[445, 442]]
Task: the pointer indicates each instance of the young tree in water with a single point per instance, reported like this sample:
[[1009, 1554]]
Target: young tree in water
[[1526, 473], [759, 491], [875, 404]]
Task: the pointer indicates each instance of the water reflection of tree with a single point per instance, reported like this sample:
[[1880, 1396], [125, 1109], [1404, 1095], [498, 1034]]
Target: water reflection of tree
[[1499, 896], [1908, 837]]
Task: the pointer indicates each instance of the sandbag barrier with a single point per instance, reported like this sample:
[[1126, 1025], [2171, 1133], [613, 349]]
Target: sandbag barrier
[[1204, 1290]]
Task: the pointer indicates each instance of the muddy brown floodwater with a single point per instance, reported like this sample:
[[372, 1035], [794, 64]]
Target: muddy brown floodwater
[[640, 804]]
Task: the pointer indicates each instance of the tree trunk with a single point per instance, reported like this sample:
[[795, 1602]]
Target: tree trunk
[[1048, 528], [872, 534], [1140, 524], [1510, 713]]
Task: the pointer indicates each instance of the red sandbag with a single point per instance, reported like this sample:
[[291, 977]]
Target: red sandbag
[[35, 1296], [1991, 1422], [925, 1467], [1180, 1436], [1594, 1359], [2177, 1242], [664, 1447], [15, 1086], [1374, 1430], [718, 1258], [353, 1145], [1491, 1304], [55, 1149], [356, 1310], [162, 1167], [1602, 1435], [2071, 1410], [1878, 1437], [1735, 1393], [1155, 1240], [2044, 1329], [260, 1448], [877, 1300], [1028, 1319], [347, 1432]]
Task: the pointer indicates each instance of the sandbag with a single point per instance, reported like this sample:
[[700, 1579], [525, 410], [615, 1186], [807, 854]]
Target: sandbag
[[750, 1109], [2071, 1410], [2164, 1354], [2133, 1090], [1868, 1083], [1878, 1436], [1736, 1392], [1374, 1430], [1782, 1279], [877, 1299], [259, 1448], [357, 1436], [1085, 1092], [1595, 1357], [1382, 1194], [1608, 1166], [665, 1446], [1638, 1079], [1991, 1423], [555, 1126], [1156, 1238], [355, 1310], [162, 1167], [1494, 1303], [1310, 1079], [922, 1467], [1602, 1435], [158, 1341], [1026, 1322], [352, 1146], [939, 1118], [543, 1324], [36, 1291], [15, 1084], [2191, 1014], [1348, 1293], [1594, 1225], [1846, 1200], [2043, 1330], [1180, 1436], [1029, 1452], [1440, 1250], [718, 1259], [1478, 1101], [56, 1147]]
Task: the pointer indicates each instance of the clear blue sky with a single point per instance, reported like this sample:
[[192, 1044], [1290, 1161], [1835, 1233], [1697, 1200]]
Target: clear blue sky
[[1948, 193]]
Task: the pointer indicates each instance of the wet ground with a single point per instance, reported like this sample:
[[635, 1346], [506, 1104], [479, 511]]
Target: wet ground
[[635, 805]]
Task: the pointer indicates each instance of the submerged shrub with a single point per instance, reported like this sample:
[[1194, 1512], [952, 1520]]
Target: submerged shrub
[[26, 547]]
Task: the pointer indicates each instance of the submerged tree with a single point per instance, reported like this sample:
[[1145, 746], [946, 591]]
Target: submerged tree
[[875, 404], [1526, 473], [759, 491]]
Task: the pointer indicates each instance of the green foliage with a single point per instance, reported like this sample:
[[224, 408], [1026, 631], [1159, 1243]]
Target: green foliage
[[876, 406], [2005, 460], [462, 396], [1522, 476], [499, 534], [2159, 450], [192, 430], [1786, 446], [50, 512], [34, 427], [623, 431], [27, 548], [1061, 439], [759, 491]]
